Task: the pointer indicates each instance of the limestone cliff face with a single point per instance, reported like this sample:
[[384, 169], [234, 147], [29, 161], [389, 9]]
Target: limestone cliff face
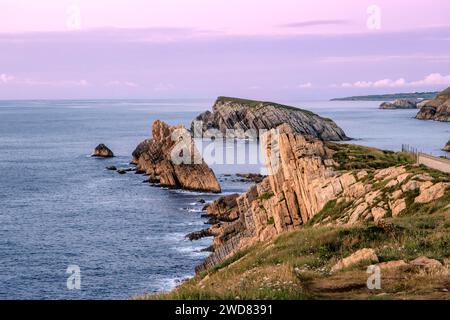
[[242, 115], [437, 109], [304, 182], [161, 158]]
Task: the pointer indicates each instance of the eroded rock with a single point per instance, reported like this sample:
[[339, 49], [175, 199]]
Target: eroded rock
[[102, 151], [364, 255], [171, 157]]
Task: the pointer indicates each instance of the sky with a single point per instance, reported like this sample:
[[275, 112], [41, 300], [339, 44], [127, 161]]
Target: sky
[[262, 49]]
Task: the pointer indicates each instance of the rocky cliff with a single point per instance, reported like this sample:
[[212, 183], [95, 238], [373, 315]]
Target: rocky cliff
[[437, 109], [243, 115], [171, 159], [317, 183], [400, 104]]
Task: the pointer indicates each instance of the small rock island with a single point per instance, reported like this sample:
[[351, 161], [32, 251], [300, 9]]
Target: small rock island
[[102, 151]]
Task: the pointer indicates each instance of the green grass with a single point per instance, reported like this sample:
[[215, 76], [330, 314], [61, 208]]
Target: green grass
[[267, 270], [445, 93], [351, 157], [331, 209], [259, 104], [266, 196]]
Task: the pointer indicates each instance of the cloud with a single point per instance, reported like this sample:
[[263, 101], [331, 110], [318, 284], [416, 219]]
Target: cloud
[[314, 23], [116, 83], [386, 58], [12, 80], [4, 78], [305, 85], [434, 79]]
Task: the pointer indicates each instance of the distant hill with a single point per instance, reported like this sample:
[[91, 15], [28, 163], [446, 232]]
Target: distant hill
[[388, 97]]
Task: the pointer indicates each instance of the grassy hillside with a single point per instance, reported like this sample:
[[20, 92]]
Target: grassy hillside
[[445, 93], [259, 104], [297, 264]]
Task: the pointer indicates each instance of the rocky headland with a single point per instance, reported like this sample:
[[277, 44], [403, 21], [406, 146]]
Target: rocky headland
[[316, 182], [437, 109], [242, 115], [401, 104], [171, 159], [325, 212]]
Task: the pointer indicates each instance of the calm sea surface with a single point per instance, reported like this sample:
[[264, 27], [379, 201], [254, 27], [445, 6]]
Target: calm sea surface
[[60, 207]]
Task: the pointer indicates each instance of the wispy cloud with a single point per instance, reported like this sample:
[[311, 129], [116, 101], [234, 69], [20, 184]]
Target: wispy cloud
[[306, 85], [116, 83], [315, 23], [434, 79], [385, 58], [6, 79]]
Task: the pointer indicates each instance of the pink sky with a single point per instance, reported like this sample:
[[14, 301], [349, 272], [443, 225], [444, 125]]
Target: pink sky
[[202, 48]]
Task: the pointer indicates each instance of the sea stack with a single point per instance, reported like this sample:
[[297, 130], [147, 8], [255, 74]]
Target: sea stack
[[102, 151], [437, 109], [171, 159], [241, 116]]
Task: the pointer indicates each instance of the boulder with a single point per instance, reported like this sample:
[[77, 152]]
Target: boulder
[[248, 116], [364, 255], [429, 265], [102, 151], [171, 158], [433, 192], [397, 207], [392, 264]]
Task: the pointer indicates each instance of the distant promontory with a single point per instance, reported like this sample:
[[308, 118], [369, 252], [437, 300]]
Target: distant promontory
[[391, 97]]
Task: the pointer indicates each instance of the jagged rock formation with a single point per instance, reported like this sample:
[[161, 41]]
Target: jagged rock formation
[[102, 151], [171, 159], [243, 115], [447, 146], [305, 186], [437, 109], [400, 104]]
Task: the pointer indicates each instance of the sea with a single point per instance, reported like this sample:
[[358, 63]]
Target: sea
[[71, 229]]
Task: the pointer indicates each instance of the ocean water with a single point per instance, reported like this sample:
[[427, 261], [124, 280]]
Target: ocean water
[[60, 207]]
